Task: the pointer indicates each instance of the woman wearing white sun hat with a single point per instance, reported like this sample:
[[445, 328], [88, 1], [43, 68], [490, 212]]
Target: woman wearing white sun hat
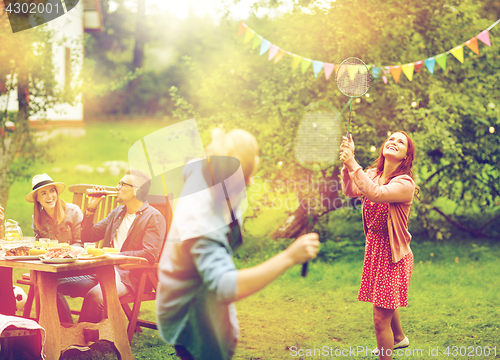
[[52, 217], [55, 219]]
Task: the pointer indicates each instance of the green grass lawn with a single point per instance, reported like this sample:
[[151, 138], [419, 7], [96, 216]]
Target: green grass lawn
[[102, 143], [453, 301], [453, 296]]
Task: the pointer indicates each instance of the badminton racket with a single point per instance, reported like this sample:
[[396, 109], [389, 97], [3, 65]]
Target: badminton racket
[[353, 80], [317, 144]]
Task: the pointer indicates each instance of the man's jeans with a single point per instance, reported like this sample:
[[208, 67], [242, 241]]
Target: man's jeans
[[88, 287]]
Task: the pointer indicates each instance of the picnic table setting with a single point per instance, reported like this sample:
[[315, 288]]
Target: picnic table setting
[[46, 260]]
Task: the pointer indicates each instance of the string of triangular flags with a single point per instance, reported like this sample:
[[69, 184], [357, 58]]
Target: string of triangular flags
[[276, 53]]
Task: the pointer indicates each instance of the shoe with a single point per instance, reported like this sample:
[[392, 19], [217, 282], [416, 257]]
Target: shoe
[[400, 345]]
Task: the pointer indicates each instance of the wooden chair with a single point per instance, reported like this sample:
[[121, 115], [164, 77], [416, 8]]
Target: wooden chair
[[146, 290], [148, 283], [81, 200]]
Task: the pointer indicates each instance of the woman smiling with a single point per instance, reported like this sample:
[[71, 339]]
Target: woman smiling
[[52, 217], [387, 190]]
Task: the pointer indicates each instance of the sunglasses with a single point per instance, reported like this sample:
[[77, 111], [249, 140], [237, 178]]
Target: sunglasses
[[121, 183]]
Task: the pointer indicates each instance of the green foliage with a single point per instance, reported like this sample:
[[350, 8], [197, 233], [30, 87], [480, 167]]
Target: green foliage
[[64, 157], [448, 114], [342, 235], [26, 67]]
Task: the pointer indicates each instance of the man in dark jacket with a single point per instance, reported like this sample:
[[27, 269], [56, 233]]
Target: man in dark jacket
[[134, 228]]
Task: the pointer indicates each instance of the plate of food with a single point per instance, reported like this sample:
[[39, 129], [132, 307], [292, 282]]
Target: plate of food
[[17, 252], [61, 255]]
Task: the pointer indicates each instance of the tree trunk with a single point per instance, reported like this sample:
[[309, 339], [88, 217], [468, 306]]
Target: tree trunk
[[17, 138], [138, 60], [296, 223]]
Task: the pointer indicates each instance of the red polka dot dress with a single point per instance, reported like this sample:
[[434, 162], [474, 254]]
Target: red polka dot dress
[[383, 283]]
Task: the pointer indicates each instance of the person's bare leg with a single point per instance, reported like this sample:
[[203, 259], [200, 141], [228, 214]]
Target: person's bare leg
[[382, 319], [396, 327]]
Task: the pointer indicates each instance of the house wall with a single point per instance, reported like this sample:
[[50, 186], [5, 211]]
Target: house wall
[[68, 31]]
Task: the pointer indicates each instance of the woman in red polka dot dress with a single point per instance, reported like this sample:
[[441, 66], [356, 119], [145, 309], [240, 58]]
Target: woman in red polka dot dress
[[387, 190]]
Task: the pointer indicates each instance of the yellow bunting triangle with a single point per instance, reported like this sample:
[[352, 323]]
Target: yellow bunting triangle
[[249, 34], [408, 70], [458, 52], [296, 61], [352, 70]]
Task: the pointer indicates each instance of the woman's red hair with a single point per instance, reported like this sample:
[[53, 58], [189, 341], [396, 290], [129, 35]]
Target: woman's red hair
[[405, 167]]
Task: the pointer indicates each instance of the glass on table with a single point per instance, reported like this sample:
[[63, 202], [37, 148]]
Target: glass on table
[[88, 245], [53, 243], [44, 243]]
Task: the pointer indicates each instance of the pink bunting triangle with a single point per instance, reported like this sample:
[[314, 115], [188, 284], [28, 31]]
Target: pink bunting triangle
[[485, 37], [242, 28], [328, 69], [273, 50]]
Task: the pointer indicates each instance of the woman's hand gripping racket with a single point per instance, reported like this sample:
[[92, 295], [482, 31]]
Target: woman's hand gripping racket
[[317, 144], [353, 80]]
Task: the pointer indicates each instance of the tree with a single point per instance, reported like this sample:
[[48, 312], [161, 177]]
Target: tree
[[26, 65], [140, 42], [448, 113]]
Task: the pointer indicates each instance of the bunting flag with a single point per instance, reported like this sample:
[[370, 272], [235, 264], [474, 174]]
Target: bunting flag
[[257, 40], [249, 35], [352, 70], [276, 53], [273, 51], [418, 66], [317, 67], [430, 63], [339, 72], [396, 72], [441, 60], [242, 28], [328, 69], [264, 46], [296, 61], [458, 52], [472, 44], [304, 65], [408, 70], [279, 55], [485, 37]]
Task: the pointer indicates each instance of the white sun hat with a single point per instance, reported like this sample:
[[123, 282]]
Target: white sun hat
[[41, 181]]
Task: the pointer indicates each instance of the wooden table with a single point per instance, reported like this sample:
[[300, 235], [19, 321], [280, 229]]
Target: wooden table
[[114, 325]]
